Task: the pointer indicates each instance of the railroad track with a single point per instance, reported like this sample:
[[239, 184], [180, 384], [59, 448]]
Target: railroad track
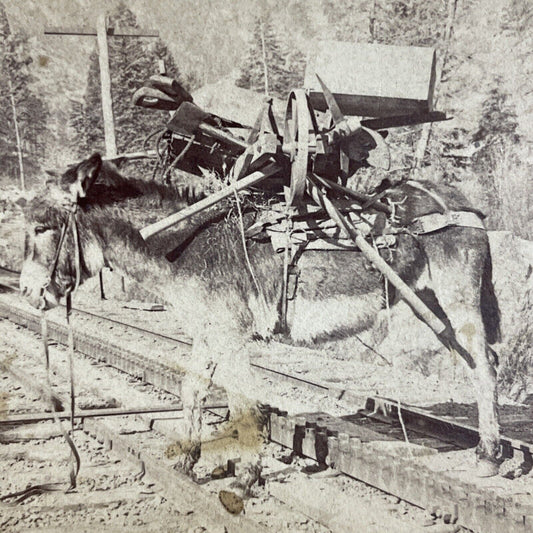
[[138, 435], [368, 446]]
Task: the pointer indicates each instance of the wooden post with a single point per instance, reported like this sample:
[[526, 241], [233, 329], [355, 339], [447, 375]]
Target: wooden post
[[105, 83], [372, 22], [102, 32]]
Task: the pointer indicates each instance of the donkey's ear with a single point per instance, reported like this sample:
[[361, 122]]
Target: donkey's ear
[[87, 172], [79, 178], [52, 178]]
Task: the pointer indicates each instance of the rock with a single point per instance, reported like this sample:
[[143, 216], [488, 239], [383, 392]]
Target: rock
[[232, 503]]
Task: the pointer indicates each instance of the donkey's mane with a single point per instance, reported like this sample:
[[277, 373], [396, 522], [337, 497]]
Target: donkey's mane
[[111, 187]]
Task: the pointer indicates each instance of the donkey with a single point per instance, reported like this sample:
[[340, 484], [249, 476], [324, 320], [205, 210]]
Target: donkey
[[224, 299]]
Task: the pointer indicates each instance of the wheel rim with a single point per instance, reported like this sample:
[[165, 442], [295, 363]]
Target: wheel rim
[[296, 135]]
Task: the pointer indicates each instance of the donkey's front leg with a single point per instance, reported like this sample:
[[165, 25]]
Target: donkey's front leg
[[243, 389], [194, 389]]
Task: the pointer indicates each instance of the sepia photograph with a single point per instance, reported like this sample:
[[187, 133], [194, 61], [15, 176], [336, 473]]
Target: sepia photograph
[[266, 266]]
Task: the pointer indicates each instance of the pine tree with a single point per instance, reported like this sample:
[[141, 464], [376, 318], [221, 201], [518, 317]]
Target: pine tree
[[132, 61], [498, 122], [23, 114], [271, 66]]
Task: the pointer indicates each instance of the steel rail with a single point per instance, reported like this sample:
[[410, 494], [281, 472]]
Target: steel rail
[[318, 437], [445, 429], [32, 418], [469, 435], [185, 342]]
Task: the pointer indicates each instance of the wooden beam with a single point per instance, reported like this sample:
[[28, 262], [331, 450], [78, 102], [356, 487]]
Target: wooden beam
[[171, 220], [119, 32], [423, 311], [102, 32]]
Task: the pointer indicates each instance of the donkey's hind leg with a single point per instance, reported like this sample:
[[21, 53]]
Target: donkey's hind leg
[[470, 338], [456, 283]]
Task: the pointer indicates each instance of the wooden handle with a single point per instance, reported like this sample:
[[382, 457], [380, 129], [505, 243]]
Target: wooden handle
[[188, 212], [373, 256]]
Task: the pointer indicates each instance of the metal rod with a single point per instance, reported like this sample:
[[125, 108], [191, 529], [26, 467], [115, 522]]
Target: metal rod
[[32, 418]]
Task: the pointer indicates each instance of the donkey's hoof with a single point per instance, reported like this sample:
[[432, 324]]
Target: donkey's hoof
[[187, 456], [487, 468], [233, 503]]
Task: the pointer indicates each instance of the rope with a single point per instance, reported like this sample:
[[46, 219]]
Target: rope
[[373, 350], [151, 135], [74, 455], [36, 490], [246, 256], [387, 303], [400, 418], [178, 158], [75, 466]]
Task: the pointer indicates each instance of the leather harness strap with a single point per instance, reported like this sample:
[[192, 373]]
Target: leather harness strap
[[436, 221], [70, 223]]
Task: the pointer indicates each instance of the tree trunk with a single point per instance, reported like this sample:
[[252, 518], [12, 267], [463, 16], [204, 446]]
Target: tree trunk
[[372, 22], [17, 133], [426, 130], [263, 50]]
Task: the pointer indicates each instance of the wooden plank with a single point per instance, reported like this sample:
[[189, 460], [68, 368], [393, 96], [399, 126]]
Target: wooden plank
[[82, 501], [343, 513], [445, 428], [178, 487], [398, 121], [372, 80], [176, 218]]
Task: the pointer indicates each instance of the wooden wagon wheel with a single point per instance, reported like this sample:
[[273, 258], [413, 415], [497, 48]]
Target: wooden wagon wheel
[[296, 139]]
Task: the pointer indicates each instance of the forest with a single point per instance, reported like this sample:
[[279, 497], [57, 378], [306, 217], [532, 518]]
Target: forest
[[51, 111]]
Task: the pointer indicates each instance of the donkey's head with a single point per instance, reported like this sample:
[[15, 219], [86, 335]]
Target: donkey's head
[[58, 252]]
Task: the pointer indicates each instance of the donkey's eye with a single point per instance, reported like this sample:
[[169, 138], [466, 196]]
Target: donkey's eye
[[41, 229]]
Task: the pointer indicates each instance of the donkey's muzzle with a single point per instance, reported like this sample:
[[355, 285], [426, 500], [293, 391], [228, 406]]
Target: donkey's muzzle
[[36, 288]]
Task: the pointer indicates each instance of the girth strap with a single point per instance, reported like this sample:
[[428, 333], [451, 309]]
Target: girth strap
[[436, 221]]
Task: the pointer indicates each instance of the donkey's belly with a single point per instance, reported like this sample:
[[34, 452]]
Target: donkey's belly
[[336, 296]]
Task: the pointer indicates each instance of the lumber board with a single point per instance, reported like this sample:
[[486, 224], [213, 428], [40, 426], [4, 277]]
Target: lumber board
[[372, 80]]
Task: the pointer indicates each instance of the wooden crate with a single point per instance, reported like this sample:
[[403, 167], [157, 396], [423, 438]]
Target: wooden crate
[[372, 80]]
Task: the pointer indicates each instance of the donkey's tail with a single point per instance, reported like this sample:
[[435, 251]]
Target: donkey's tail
[[490, 310]]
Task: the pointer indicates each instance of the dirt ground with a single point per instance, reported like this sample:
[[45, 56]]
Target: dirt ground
[[110, 498]]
